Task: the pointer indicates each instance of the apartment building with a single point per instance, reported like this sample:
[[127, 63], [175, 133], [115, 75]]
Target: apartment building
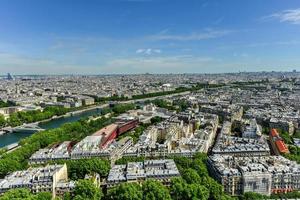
[[50, 178], [161, 170]]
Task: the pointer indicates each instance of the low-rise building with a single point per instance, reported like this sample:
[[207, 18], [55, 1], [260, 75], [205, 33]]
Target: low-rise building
[[226, 144], [161, 170], [56, 152]]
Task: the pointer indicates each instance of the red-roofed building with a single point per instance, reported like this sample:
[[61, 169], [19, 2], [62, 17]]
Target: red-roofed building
[[278, 145], [274, 132], [281, 146], [108, 133]]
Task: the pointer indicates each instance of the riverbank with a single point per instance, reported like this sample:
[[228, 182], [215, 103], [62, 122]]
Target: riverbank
[[68, 114], [51, 123]]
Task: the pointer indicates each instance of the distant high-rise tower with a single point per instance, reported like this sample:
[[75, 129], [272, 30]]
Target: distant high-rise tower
[[9, 77]]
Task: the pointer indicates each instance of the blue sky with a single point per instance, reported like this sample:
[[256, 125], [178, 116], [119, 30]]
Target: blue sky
[[155, 36]]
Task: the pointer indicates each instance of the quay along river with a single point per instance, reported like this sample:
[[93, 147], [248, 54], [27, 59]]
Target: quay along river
[[10, 138]]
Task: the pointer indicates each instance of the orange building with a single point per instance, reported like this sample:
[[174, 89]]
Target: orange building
[[278, 145]]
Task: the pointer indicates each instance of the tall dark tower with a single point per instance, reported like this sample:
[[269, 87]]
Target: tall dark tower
[[9, 77]]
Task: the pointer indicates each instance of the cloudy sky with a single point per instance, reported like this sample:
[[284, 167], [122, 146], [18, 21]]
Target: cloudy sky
[[155, 36]]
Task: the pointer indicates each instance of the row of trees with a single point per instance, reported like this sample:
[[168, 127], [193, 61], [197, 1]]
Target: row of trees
[[18, 159], [2, 121], [196, 87], [25, 194], [252, 195]]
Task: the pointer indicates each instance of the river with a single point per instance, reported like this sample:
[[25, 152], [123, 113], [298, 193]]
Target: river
[[11, 138]]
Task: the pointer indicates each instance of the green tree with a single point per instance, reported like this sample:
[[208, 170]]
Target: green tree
[[121, 108], [155, 120], [2, 121], [297, 134], [17, 194], [215, 189], [196, 191], [77, 169], [200, 167], [125, 191], [86, 189], [286, 137], [43, 196], [14, 120], [253, 195], [67, 196], [181, 190], [178, 188], [191, 176], [154, 190], [6, 104]]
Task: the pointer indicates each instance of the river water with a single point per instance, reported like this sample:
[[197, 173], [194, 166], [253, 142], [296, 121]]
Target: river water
[[10, 138]]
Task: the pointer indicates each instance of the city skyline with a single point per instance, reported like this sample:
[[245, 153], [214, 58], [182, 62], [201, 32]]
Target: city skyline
[[154, 36]]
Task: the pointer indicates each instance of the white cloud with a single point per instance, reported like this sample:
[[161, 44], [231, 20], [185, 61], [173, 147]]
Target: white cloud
[[204, 35], [290, 16], [148, 51]]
